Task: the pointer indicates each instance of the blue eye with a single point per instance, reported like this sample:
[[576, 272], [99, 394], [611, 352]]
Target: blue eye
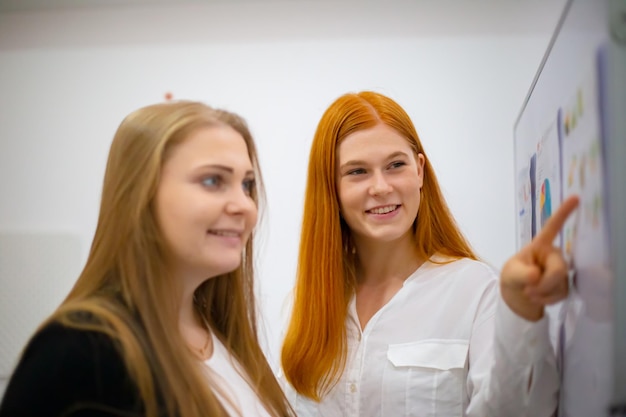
[[397, 164], [248, 186], [212, 181], [356, 171]]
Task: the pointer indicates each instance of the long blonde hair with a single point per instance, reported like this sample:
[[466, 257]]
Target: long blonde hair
[[314, 349], [125, 285]]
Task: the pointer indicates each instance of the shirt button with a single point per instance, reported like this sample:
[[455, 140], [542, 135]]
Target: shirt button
[[353, 388]]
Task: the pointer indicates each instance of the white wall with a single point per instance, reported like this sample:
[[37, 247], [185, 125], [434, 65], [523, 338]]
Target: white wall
[[69, 76]]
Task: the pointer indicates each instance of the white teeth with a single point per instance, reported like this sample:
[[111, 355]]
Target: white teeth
[[225, 233], [383, 210]]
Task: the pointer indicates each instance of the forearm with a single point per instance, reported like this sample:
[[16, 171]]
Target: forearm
[[522, 379]]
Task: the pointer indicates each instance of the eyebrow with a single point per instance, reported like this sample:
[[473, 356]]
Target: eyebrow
[[359, 162], [225, 168]]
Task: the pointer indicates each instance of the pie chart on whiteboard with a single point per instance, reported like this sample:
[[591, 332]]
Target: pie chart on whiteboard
[[545, 201]]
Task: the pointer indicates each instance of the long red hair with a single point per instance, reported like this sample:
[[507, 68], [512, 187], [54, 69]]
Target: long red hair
[[315, 345]]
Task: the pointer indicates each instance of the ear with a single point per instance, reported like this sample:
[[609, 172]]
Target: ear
[[420, 159]]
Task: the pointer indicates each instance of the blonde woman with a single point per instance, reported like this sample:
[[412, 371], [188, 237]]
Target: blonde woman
[[161, 321], [393, 313]]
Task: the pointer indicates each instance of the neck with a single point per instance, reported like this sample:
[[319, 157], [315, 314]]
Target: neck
[[187, 316], [189, 280], [379, 263], [193, 329]]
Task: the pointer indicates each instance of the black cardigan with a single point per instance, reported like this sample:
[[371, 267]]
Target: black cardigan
[[71, 373]]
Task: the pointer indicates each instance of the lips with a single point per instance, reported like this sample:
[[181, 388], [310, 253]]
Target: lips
[[383, 209], [225, 233]]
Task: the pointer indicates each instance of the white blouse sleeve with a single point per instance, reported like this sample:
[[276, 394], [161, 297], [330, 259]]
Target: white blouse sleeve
[[512, 366]]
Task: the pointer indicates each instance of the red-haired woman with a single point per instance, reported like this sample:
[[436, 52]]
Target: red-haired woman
[[393, 314]]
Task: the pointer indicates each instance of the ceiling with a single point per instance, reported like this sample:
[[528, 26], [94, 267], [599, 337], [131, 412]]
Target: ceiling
[[41, 5], [88, 23]]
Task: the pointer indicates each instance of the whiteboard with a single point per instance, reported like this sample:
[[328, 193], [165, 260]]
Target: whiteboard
[[570, 138]]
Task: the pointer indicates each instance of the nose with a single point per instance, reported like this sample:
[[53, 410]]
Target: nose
[[379, 185], [239, 202]]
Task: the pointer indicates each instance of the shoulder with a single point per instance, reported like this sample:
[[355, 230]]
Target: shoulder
[[71, 346], [476, 267], [466, 269], [472, 285], [58, 341], [63, 366]]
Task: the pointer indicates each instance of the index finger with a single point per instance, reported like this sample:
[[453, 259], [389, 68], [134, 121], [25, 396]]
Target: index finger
[[556, 221]]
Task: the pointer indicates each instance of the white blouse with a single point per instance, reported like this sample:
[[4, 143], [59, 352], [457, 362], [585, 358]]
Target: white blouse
[[446, 344], [235, 392]]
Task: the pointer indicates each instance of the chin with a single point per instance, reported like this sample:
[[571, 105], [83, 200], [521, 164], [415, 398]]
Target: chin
[[225, 268], [219, 262], [389, 237]]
